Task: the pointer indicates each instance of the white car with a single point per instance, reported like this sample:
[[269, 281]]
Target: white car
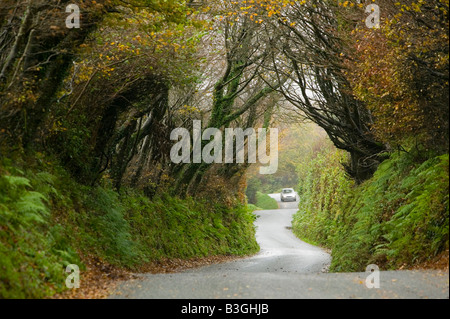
[[288, 194]]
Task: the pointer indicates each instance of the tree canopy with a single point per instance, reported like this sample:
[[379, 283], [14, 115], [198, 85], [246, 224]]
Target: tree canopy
[[104, 97]]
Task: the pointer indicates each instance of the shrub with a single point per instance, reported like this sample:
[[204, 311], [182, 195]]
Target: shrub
[[32, 256], [398, 217], [46, 219]]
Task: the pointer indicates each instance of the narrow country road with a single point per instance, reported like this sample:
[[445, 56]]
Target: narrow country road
[[286, 267]]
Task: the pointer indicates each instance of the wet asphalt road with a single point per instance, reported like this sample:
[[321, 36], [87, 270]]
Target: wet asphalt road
[[285, 267]]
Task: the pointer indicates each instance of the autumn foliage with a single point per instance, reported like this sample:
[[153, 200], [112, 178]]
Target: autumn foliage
[[401, 72]]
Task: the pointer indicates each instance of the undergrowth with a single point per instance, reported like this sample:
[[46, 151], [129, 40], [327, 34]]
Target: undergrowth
[[48, 221], [397, 218], [264, 201]]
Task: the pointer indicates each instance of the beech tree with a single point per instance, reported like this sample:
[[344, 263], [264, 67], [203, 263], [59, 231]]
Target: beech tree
[[240, 93], [103, 98], [307, 36], [36, 49], [401, 71]]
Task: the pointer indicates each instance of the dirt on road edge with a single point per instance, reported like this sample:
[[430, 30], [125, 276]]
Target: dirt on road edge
[[100, 279]]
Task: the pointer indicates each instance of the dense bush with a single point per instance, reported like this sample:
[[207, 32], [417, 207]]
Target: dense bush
[[323, 187], [33, 251], [398, 217], [48, 221]]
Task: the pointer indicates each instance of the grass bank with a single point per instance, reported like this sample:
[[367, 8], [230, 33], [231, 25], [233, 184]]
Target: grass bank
[[264, 201], [398, 218], [48, 221]]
